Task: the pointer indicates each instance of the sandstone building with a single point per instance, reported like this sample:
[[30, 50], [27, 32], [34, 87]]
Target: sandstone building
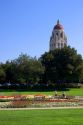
[[58, 38]]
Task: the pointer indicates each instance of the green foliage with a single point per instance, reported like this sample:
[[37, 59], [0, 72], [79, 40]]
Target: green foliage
[[59, 66], [63, 65], [24, 69], [2, 75]]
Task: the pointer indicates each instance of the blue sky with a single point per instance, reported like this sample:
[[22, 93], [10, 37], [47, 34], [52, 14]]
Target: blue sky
[[26, 25]]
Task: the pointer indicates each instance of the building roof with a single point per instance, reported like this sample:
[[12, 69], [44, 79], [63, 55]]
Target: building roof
[[58, 26]]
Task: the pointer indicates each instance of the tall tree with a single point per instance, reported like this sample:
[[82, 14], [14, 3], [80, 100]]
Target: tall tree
[[24, 69], [63, 65], [2, 75]]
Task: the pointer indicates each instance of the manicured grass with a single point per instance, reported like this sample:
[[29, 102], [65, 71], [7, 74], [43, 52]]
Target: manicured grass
[[26, 92], [42, 117], [75, 92], [71, 91]]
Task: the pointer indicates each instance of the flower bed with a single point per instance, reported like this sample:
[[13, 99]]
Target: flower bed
[[38, 100]]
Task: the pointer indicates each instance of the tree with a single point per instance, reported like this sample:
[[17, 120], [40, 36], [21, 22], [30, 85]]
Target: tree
[[2, 75], [24, 69], [10, 69], [30, 69], [63, 65]]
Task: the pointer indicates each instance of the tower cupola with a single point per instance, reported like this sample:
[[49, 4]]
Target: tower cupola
[[58, 38]]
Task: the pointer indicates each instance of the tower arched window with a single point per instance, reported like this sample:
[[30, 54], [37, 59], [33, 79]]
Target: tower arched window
[[57, 34], [58, 45], [62, 35], [62, 45]]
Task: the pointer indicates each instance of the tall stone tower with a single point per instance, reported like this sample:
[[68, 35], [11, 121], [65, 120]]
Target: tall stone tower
[[58, 38]]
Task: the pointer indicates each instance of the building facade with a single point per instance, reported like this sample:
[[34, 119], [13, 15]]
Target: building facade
[[58, 38]]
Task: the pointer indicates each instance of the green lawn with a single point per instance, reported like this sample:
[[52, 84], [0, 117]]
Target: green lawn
[[42, 117], [75, 92]]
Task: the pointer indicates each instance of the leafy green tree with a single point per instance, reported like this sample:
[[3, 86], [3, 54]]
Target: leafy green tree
[[63, 65], [2, 75], [24, 69], [10, 69]]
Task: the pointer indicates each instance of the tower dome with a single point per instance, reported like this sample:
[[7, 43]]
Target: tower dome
[[58, 38], [58, 26]]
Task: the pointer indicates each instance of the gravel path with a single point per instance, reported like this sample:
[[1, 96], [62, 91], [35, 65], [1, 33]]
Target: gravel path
[[41, 108]]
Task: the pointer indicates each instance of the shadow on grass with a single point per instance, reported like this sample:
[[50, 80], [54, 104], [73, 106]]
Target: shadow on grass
[[34, 90]]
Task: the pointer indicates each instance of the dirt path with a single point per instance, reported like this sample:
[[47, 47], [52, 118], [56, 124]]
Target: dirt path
[[41, 108]]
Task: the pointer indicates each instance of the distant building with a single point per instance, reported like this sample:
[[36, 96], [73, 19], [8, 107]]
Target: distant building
[[58, 38]]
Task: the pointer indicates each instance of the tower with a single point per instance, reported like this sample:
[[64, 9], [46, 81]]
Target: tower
[[58, 38]]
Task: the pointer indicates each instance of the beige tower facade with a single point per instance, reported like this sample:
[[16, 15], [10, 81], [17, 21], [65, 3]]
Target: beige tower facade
[[58, 38]]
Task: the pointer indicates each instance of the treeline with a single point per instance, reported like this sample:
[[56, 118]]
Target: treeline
[[58, 67], [24, 69]]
